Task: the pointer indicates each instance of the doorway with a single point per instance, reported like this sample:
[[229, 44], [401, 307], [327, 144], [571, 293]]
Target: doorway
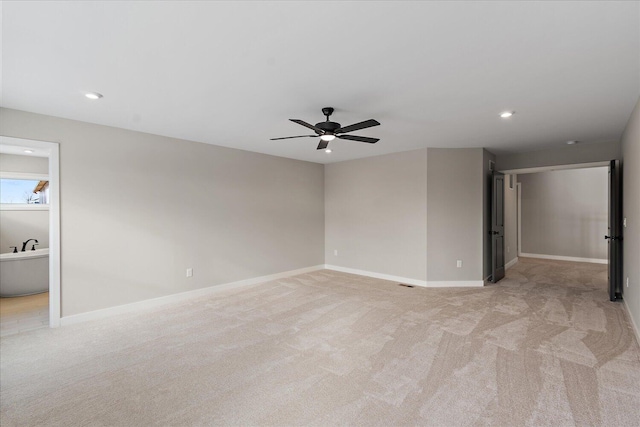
[[562, 213], [50, 151]]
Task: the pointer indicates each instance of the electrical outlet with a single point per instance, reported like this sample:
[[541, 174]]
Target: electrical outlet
[[627, 282], [459, 263], [335, 252], [189, 272]]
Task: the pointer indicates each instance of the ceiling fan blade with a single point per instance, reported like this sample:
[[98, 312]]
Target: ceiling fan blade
[[305, 124], [362, 125], [359, 138], [289, 137], [323, 144]]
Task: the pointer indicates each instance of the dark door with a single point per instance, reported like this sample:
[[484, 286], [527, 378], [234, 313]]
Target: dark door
[[614, 237], [497, 227]]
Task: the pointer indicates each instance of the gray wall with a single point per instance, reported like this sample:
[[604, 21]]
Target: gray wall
[[410, 214], [17, 226], [510, 219], [138, 209], [455, 213], [24, 164], [567, 155], [565, 212], [631, 211], [376, 211]]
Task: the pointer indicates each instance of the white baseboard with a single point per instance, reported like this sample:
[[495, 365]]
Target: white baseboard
[[392, 278], [182, 296], [566, 258], [634, 325], [455, 283], [511, 263], [406, 280]]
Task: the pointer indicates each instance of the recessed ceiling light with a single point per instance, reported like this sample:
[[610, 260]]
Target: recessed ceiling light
[[328, 150], [328, 137], [507, 114], [572, 142], [28, 151], [93, 95]]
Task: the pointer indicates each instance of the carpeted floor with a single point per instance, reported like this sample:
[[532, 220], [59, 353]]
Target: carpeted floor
[[542, 347]]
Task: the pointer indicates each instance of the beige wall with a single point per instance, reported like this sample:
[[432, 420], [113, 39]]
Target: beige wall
[[455, 213], [376, 210], [631, 211], [138, 209], [16, 226], [564, 212]]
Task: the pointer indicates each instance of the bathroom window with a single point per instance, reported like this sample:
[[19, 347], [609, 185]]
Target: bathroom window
[[23, 192]]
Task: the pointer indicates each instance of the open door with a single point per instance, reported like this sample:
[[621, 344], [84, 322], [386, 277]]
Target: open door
[[497, 227], [614, 238]]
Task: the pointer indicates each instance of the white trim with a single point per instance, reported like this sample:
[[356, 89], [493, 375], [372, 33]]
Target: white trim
[[23, 207], [24, 175], [566, 258], [555, 168], [511, 263], [406, 280], [52, 150], [455, 284], [182, 296], [634, 325], [55, 296], [382, 276]]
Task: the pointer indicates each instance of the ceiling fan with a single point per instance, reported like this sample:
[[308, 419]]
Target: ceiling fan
[[328, 131]]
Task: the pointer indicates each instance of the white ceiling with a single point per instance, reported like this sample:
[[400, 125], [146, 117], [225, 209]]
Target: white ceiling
[[435, 74]]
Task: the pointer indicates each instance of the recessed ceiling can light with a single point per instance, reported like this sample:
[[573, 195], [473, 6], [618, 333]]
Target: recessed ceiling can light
[[507, 114], [93, 95], [328, 150], [572, 142], [28, 151]]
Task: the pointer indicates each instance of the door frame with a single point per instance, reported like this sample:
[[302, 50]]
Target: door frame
[[498, 267], [52, 149], [518, 219]]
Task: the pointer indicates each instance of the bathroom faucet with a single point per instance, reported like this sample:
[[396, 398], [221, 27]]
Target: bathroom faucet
[[24, 244]]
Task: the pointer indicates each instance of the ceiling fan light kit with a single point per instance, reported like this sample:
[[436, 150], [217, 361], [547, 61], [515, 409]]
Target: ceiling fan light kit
[[328, 130]]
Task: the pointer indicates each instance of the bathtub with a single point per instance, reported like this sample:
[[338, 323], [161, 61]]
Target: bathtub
[[24, 273]]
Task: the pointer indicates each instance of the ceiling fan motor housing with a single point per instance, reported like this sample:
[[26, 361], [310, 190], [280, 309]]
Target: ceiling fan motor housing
[[330, 127]]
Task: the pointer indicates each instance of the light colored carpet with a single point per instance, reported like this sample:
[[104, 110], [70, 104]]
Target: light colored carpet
[[542, 347]]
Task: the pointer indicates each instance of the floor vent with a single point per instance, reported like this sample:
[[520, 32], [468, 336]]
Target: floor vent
[[406, 286]]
